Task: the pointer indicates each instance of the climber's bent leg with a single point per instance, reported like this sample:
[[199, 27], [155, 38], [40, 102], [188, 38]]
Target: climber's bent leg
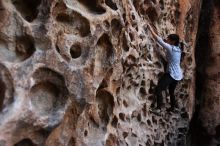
[[171, 92], [163, 83]]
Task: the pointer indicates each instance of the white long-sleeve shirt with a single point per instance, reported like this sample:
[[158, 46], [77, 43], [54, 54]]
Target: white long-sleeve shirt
[[173, 57]]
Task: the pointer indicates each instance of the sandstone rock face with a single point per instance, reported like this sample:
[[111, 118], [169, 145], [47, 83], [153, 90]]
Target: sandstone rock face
[[211, 92], [208, 69], [83, 72]]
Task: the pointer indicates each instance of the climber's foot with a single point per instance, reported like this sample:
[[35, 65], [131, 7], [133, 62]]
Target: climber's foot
[[156, 110], [172, 110]]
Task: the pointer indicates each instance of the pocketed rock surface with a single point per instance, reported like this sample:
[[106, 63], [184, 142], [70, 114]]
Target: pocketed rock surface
[[83, 72]]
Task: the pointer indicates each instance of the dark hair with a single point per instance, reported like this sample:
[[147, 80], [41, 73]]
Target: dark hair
[[175, 38]]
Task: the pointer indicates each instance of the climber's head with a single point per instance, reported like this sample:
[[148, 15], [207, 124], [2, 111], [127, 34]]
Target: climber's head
[[173, 39]]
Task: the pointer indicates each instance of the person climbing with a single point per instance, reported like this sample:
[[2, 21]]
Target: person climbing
[[173, 73]]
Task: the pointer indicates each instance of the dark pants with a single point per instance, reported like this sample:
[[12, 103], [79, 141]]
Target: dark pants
[[166, 81]]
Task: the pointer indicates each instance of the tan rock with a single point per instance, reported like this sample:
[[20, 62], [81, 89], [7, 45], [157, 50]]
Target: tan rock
[[82, 72]]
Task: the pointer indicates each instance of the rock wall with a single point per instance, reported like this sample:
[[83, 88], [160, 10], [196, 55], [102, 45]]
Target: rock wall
[[211, 92], [206, 131], [83, 72]]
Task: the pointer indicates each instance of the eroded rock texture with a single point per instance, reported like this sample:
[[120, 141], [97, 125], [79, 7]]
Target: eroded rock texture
[[83, 72]]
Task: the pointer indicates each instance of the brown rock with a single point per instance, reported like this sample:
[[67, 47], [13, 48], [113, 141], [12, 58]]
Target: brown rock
[[210, 114], [81, 72]]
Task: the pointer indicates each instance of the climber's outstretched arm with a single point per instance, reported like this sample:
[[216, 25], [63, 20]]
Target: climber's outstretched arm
[[159, 39], [152, 32]]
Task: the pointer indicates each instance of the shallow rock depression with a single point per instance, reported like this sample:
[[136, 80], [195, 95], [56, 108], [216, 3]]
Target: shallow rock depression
[[83, 72]]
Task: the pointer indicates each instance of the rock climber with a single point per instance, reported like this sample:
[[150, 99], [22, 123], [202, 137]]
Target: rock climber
[[173, 73]]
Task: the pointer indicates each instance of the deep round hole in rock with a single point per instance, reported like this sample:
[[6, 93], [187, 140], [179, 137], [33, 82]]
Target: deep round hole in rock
[[27, 8], [105, 104], [23, 49], [46, 98], [75, 51]]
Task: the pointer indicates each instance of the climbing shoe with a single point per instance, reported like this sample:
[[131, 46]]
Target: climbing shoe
[[156, 110], [172, 110]]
